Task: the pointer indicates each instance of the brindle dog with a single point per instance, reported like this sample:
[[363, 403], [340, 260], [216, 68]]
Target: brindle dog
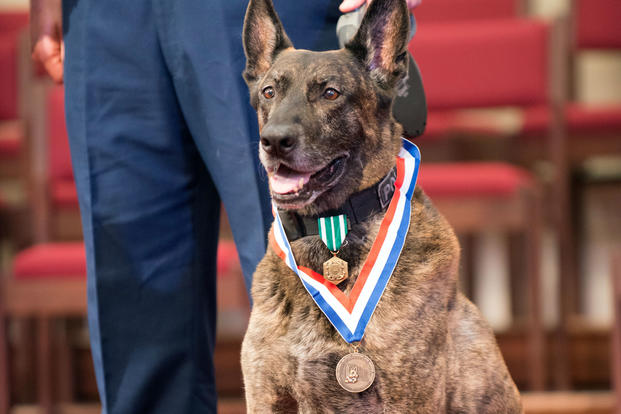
[[327, 132]]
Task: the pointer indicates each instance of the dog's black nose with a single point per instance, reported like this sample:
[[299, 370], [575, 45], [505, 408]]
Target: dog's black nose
[[278, 138]]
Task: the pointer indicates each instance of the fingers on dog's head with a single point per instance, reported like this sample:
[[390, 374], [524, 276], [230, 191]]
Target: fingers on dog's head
[[264, 38], [381, 41]]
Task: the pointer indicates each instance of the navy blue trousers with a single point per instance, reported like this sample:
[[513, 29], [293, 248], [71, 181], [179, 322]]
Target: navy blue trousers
[[161, 133]]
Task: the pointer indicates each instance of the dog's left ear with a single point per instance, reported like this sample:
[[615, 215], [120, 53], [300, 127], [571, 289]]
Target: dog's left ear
[[381, 41], [264, 37]]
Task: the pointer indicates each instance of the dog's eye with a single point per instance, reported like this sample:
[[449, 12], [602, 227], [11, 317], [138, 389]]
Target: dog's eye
[[331, 94], [268, 92]]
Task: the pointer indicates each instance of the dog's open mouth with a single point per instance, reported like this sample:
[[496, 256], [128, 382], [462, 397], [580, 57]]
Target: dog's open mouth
[[293, 189]]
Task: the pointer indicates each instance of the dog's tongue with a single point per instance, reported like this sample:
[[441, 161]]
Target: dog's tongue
[[286, 180]]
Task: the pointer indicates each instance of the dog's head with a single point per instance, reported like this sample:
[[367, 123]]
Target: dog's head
[[325, 118]]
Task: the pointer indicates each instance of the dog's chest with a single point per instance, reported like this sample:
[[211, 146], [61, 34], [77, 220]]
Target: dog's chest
[[305, 358], [405, 339]]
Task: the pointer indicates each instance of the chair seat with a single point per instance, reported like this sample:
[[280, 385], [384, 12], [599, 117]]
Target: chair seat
[[474, 122], [587, 118], [439, 124], [488, 179], [51, 260], [581, 119], [64, 193], [69, 260]]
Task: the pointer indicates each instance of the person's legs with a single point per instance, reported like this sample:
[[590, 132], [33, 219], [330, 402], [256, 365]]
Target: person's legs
[[198, 49], [137, 72], [150, 214], [202, 45]]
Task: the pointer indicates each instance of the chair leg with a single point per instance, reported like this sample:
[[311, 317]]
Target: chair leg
[[517, 270], [5, 391], [536, 333], [22, 358], [44, 354], [567, 295], [65, 363], [469, 244], [616, 330]]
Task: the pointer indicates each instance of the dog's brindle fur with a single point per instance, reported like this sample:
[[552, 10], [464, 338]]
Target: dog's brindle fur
[[432, 350]]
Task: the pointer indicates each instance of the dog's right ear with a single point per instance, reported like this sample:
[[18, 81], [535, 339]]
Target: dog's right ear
[[264, 38]]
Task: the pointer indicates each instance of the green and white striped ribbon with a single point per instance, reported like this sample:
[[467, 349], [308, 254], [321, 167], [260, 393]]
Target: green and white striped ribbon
[[333, 231]]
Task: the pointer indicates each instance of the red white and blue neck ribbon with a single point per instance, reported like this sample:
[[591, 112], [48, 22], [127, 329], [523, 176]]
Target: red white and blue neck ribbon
[[351, 313]]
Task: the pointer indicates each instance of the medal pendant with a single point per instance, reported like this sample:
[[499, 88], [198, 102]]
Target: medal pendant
[[335, 270], [355, 372]]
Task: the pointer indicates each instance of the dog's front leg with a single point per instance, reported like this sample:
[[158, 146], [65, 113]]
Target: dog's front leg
[[262, 375], [262, 397]]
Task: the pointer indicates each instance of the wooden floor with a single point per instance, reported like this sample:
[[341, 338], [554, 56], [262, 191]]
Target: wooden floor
[[534, 403], [569, 403], [224, 407]]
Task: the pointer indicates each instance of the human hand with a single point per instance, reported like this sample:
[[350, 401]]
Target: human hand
[[350, 5], [46, 34]]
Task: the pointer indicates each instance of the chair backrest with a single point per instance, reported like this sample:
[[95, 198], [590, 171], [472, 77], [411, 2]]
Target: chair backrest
[[597, 24], [59, 156], [435, 11], [11, 24], [13, 21], [8, 77], [52, 187], [483, 63]]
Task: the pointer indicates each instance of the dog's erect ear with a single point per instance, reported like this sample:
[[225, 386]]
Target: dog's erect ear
[[264, 38], [381, 41]]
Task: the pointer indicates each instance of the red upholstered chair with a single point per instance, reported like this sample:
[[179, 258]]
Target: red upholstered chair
[[11, 131], [483, 64], [48, 281], [592, 130], [61, 197], [52, 194], [11, 127], [468, 71]]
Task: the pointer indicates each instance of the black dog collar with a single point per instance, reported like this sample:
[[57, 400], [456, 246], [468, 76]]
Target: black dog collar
[[358, 208]]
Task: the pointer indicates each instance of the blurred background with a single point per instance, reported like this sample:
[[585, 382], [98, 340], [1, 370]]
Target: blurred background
[[522, 154]]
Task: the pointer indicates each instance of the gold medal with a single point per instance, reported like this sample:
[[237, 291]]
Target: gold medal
[[335, 270], [355, 372]]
